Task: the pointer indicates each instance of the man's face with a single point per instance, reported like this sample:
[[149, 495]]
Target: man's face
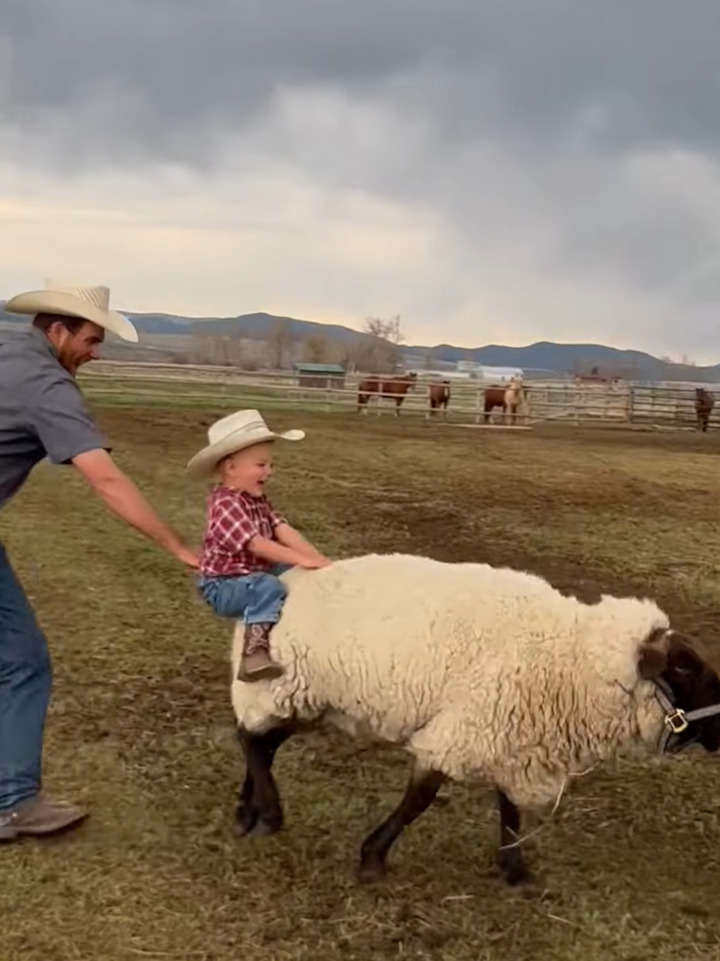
[[76, 349]]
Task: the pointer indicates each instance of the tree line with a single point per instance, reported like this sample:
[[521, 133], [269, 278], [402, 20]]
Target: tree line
[[379, 351]]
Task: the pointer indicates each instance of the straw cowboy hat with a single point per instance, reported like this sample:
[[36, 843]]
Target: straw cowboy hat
[[231, 434], [88, 303]]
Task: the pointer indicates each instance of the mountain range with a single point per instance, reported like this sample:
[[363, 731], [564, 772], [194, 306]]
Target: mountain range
[[160, 330]]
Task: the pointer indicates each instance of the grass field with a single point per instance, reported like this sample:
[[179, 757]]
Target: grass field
[[141, 730]]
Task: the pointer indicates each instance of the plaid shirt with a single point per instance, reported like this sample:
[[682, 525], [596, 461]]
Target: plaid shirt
[[233, 519]]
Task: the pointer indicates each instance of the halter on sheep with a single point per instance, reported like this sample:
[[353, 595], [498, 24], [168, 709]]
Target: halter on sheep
[[481, 674]]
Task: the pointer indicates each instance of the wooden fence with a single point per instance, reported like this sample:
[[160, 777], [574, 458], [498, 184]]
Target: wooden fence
[[630, 404]]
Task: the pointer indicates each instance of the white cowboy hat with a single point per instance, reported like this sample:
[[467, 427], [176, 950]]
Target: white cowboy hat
[[233, 433], [88, 303]]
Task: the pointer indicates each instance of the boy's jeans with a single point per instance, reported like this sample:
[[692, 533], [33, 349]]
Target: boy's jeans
[[25, 682], [253, 598]]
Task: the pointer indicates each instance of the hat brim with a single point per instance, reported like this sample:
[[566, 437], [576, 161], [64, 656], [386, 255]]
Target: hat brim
[[58, 302], [202, 465]]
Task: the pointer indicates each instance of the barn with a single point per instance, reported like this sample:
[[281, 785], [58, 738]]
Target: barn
[[320, 375]]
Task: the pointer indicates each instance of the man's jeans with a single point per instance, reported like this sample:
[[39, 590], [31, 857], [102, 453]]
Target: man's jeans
[[25, 680], [253, 598]]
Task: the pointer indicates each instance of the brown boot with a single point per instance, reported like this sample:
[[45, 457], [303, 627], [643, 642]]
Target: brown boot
[[39, 816], [256, 663]]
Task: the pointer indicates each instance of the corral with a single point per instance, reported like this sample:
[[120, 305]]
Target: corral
[[140, 724], [621, 404]]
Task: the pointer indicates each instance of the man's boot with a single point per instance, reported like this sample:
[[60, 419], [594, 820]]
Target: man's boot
[[39, 816], [256, 663]]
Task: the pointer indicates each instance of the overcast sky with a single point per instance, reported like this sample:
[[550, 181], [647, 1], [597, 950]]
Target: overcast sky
[[492, 170]]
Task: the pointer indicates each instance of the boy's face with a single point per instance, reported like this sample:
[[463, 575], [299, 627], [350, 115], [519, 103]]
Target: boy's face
[[248, 470]]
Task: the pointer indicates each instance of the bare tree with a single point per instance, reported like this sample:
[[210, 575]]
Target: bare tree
[[390, 329], [381, 353], [227, 350], [346, 355], [281, 340], [316, 349], [198, 349], [220, 350]]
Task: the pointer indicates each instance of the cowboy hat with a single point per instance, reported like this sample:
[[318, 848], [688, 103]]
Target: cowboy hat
[[231, 434], [88, 303]]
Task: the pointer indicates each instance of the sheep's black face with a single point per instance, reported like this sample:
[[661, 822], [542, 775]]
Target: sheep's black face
[[693, 682]]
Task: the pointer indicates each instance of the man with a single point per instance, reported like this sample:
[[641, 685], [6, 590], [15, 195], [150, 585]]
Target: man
[[43, 414]]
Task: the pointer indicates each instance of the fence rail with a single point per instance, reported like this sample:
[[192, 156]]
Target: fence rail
[[630, 404]]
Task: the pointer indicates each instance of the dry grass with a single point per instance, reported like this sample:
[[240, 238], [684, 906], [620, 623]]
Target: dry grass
[[140, 725]]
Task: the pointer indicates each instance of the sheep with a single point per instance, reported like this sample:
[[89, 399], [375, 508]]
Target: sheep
[[481, 674]]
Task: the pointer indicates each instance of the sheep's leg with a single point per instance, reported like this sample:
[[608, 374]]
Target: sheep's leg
[[246, 814], [418, 797], [259, 811], [510, 856]]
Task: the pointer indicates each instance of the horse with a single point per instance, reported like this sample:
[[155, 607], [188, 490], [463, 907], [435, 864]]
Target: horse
[[509, 398], [393, 387], [704, 403], [439, 396]]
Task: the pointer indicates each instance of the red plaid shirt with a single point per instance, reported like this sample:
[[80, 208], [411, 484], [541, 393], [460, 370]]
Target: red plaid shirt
[[233, 519]]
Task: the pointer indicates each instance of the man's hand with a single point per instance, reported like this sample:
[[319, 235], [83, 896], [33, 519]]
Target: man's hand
[[123, 498], [187, 556]]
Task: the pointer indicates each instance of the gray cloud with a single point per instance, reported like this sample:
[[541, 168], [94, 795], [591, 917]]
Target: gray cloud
[[569, 141], [143, 69]]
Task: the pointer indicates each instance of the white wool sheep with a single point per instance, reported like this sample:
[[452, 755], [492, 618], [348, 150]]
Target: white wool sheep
[[480, 673]]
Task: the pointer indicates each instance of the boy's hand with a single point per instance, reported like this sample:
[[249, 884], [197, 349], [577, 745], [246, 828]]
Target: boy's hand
[[314, 561], [280, 554]]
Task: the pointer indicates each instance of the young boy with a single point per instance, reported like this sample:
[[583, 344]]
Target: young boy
[[246, 543]]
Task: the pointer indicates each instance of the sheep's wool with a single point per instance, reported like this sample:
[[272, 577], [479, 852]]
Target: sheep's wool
[[482, 673]]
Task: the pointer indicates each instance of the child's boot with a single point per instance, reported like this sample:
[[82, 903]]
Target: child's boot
[[256, 663]]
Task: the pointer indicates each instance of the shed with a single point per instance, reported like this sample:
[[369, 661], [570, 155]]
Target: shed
[[320, 375]]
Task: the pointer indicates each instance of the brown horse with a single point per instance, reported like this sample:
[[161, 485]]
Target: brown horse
[[393, 388], [704, 403], [509, 398], [439, 396]]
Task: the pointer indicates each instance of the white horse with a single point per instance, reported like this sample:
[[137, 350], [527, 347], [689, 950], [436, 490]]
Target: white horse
[[515, 395], [509, 398]]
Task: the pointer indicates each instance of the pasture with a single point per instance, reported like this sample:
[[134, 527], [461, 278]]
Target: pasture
[[140, 725]]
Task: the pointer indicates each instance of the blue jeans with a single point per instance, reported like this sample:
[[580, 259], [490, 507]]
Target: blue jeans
[[253, 598], [25, 681]]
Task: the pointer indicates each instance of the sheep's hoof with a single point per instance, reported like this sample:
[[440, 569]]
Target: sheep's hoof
[[245, 819], [249, 824], [263, 829], [371, 870], [514, 871], [518, 876]]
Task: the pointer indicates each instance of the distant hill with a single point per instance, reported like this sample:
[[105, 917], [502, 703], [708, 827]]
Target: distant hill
[[547, 355], [542, 356], [252, 326]]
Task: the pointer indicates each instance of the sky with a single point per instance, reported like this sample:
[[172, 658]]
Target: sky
[[494, 171]]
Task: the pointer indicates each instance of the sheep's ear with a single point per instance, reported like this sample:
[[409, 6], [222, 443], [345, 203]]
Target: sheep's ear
[[651, 662], [653, 654]]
